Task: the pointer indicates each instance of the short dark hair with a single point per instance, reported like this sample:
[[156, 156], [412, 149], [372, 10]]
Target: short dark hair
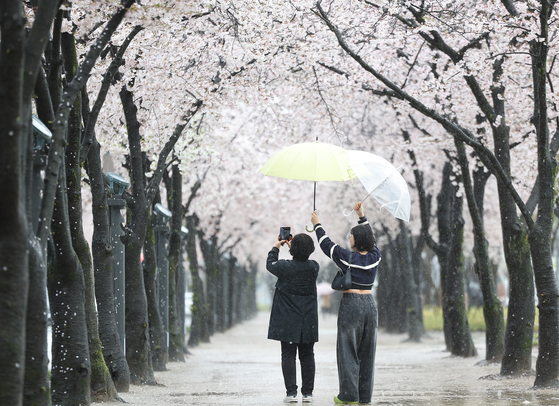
[[302, 246], [363, 237]]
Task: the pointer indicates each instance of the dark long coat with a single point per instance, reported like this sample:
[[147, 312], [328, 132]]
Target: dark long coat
[[294, 315]]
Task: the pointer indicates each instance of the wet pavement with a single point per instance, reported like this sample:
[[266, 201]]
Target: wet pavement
[[242, 367]]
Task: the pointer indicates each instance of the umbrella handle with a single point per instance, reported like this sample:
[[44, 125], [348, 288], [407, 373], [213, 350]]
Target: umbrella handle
[[347, 214], [309, 231]]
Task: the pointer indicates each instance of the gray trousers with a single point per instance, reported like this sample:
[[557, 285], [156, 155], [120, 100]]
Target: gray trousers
[[356, 346]]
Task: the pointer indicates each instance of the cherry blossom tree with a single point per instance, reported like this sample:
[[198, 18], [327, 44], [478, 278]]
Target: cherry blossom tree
[[464, 53]]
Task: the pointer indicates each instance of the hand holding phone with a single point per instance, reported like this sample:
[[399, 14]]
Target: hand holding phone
[[285, 233]]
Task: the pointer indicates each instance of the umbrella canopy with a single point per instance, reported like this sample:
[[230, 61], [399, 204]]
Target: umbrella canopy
[[383, 182], [313, 161]]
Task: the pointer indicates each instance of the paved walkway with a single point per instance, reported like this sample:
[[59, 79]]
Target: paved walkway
[[242, 367]]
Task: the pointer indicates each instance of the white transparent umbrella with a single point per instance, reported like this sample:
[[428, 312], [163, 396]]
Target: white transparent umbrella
[[382, 181]]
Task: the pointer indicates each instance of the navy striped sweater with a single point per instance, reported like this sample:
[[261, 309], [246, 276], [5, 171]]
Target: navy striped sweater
[[363, 267]]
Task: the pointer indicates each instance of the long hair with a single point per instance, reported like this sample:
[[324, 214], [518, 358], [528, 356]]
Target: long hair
[[302, 246], [363, 237]]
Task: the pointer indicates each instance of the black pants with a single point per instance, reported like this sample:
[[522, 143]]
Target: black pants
[[356, 347], [289, 369]]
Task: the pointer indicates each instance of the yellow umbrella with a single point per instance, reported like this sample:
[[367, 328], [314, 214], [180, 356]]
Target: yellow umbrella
[[314, 161]]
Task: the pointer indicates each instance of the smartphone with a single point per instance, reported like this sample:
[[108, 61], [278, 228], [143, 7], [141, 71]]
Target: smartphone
[[284, 234]]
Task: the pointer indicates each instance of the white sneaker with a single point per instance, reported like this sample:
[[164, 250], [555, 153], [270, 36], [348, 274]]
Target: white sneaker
[[290, 399], [308, 399]]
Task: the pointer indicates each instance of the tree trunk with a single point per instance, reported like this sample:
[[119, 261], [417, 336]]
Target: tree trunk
[[492, 307], [37, 381], [14, 272], [230, 291], [198, 298], [71, 368], [211, 259], [37, 384], [451, 230], [157, 334], [221, 296], [251, 293], [419, 274], [176, 344], [395, 297], [138, 352], [137, 342], [102, 386], [411, 290], [517, 357], [547, 364], [102, 252]]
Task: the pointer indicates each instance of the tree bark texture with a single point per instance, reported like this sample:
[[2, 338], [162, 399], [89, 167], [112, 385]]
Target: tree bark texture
[[158, 338], [137, 342], [113, 352], [102, 387], [519, 331], [391, 294], [210, 253], [37, 383], [547, 364], [411, 290], [396, 300], [451, 232], [71, 367], [231, 302], [492, 307], [197, 327], [176, 345], [102, 253], [138, 352], [14, 275], [221, 296]]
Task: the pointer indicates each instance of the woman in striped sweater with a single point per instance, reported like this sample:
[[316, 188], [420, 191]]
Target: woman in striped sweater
[[358, 316]]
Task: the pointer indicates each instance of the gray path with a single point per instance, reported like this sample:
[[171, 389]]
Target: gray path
[[242, 367]]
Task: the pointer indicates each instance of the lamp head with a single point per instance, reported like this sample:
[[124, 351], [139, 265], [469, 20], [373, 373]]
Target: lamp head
[[163, 214], [117, 183], [41, 134]]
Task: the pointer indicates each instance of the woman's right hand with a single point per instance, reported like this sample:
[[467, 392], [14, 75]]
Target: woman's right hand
[[314, 218], [359, 209]]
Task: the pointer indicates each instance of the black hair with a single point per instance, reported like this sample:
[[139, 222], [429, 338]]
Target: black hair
[[302, 246], [363, 237]]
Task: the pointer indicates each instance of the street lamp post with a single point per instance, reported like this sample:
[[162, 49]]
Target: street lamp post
[[161, 232], [118, 185]]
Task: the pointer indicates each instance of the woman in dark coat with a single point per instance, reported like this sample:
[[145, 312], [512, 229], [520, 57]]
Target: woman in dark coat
[[294, 315]]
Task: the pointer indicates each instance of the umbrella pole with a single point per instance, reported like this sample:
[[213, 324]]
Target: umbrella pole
[[310, 230], [314, 198]]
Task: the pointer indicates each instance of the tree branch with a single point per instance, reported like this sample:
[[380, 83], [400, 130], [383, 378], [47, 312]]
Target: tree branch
[[153, 185], [450, 126], [56, 150], [117, 62]]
